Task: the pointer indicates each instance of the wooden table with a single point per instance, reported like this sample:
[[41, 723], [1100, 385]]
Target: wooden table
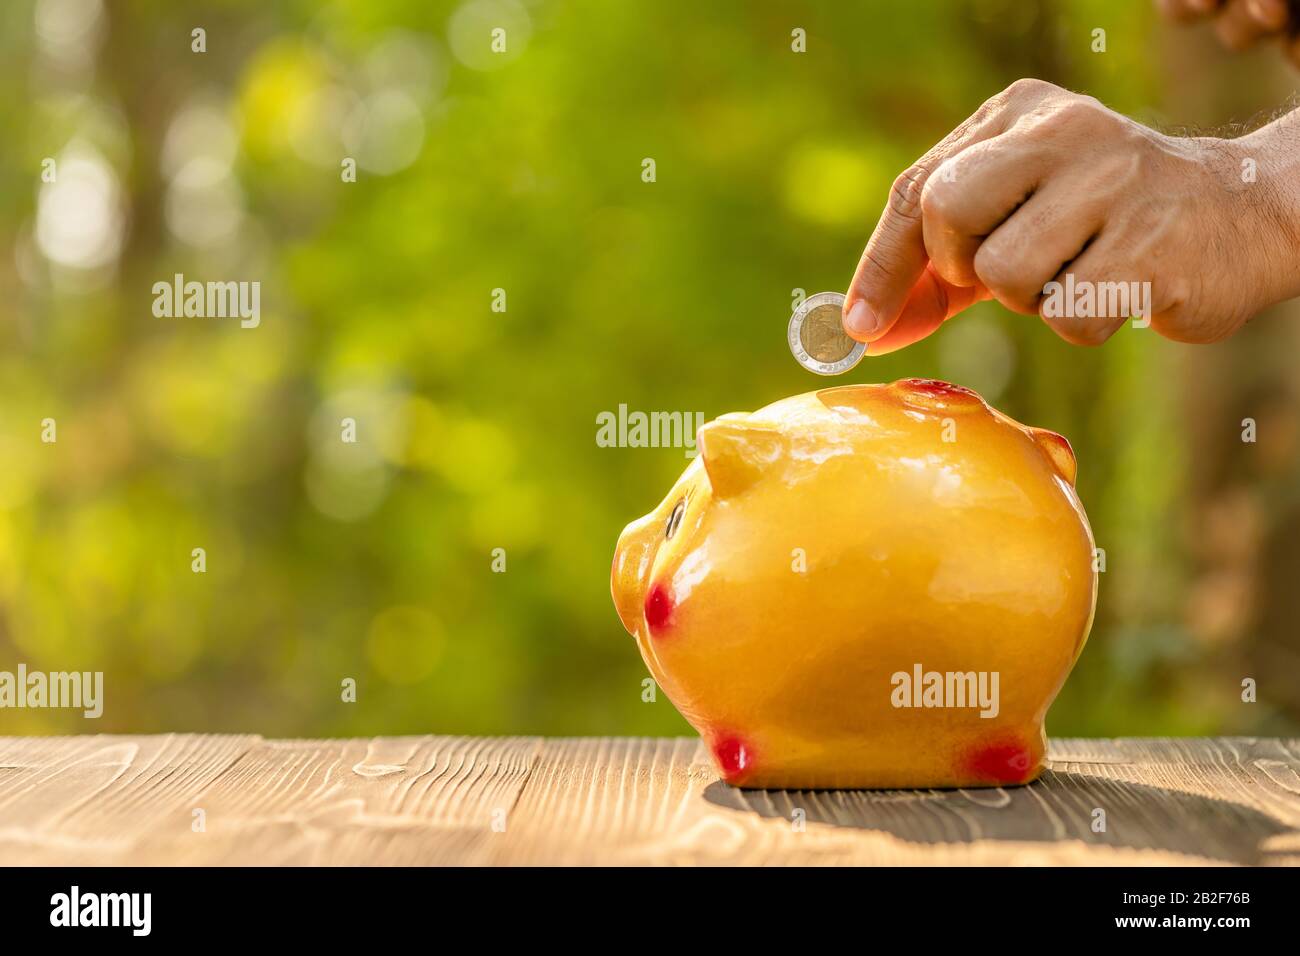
[[187, 799]]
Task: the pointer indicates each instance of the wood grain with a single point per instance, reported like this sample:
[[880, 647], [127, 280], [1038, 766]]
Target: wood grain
[[69, 800], [193, 799]]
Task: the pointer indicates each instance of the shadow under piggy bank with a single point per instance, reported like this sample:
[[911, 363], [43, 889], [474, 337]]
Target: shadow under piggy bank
[[1058, 806]]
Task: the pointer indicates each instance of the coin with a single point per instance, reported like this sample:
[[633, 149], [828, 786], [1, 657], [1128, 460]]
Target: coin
[[817, 338]]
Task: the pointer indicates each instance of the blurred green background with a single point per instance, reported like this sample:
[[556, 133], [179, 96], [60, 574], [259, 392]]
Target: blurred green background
[[522, 171]]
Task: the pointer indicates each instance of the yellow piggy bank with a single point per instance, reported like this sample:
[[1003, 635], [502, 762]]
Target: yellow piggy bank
[[865, 586]]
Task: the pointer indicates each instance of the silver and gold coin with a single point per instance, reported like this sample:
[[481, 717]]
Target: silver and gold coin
[[817, 338]]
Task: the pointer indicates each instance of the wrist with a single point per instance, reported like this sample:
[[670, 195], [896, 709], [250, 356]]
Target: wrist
[[1263, 199]]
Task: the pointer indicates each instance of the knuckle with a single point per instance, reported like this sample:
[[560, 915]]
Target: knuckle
[[905, 193], [1092, 332], [947, 201], [1096, 333], [1001, 276], [937, 198], [1026, 88], [1072, 110], [1188, 321], [1088, 332], [1071, 114], [993, 268], [1175, 296], [1089, 109]]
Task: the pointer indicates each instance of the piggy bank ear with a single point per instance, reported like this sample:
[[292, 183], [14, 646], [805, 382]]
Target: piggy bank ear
[[1058, 452], [736, 453]]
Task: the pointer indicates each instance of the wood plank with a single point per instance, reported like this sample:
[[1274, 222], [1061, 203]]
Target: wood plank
[[389, 800], [606, 800], [1235, 799], [1166, 801], [621, 801], [91, 799]]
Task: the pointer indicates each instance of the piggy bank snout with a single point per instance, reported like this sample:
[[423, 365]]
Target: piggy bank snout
[[629, 571]]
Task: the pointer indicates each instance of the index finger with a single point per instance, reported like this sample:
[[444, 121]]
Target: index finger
[[895, 256]]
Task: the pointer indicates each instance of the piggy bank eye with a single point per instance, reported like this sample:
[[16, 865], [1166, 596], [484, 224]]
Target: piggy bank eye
[[675, 519]]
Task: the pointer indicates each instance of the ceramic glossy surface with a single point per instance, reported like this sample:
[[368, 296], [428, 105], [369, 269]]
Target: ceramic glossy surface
[[865, 586]]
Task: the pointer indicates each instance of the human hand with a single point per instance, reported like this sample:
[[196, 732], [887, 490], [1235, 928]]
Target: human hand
[[1042, 186], [1241, 23]]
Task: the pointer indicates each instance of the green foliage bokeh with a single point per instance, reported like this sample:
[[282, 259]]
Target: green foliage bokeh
[[477, 428]]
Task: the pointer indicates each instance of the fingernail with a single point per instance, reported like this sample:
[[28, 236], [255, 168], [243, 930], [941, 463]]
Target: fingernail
[[860, 321]]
